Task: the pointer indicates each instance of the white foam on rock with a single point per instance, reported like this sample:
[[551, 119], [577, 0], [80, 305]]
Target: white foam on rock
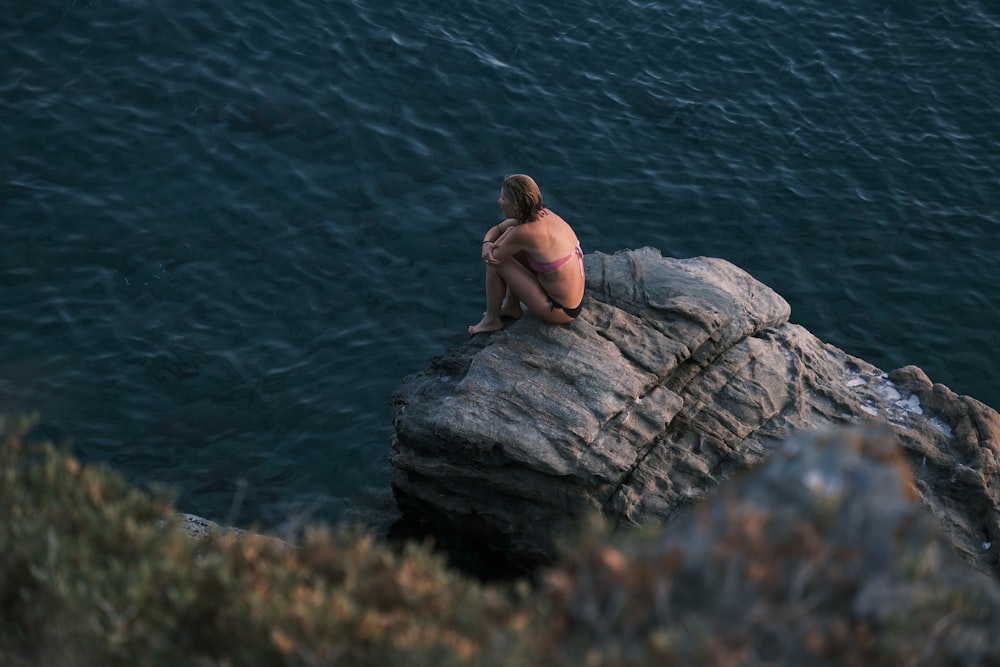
[[940, 425], [887, 396], [889, 392], [911, 404]]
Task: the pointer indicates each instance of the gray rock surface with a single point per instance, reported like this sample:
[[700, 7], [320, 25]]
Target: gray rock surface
[[677, 374]]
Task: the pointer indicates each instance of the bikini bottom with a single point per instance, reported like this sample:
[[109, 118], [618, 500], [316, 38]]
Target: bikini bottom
[[572, 312]]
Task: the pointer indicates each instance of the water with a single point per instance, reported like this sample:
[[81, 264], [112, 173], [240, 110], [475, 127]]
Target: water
[[229, 230]]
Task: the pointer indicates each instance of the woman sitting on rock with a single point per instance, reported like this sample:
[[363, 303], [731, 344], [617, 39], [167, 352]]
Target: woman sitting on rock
[[533, 258]]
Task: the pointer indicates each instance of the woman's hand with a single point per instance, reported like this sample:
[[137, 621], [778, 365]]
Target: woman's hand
[[490, 248], [488, 258]]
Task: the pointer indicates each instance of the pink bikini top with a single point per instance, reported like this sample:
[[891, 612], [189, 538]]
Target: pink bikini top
[[539, 267]]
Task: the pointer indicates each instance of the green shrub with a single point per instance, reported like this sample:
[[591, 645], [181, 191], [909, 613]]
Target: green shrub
[[94, 572]]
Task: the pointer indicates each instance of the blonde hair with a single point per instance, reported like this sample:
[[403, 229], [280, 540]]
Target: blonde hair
[[523, 192]]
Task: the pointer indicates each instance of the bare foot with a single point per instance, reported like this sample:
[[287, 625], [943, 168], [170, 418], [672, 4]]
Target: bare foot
[[486, 325], [511, 310]]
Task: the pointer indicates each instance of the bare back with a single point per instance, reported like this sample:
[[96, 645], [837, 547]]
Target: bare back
[[548, 239]]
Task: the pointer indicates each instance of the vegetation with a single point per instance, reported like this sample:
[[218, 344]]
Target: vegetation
[[96, 572]]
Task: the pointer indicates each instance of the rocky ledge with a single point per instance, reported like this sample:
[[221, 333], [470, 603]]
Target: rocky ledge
[[678, 374]]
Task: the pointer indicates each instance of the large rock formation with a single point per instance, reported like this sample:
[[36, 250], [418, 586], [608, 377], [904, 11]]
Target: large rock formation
[[677, 374]]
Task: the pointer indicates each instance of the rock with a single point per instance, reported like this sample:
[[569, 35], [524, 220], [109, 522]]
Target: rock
[[677, 374], [199, 528]]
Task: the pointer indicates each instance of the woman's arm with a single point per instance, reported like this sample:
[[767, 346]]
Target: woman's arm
[[513, 240], [498, 238], [494, 232]]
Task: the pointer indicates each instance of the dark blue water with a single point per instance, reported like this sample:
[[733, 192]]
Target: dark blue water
[[230, 229]]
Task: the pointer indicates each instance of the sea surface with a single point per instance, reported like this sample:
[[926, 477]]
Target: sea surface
[[228, 230]]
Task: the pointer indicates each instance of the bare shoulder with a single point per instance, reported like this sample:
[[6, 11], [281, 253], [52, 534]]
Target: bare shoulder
[[526, 232], [558, 230], [555, 217]]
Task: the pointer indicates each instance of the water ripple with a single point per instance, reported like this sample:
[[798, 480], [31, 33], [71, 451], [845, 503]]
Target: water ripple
[[229, 230]]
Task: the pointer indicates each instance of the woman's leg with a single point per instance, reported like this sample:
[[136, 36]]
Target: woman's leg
[[513, 280], [511, 304], [524, 286], [496, 290]]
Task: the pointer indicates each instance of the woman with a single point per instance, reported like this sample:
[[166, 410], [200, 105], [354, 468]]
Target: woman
[[532, 257]]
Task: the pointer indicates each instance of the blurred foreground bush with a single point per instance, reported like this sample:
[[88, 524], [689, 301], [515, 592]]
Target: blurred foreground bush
[[95, 572]]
